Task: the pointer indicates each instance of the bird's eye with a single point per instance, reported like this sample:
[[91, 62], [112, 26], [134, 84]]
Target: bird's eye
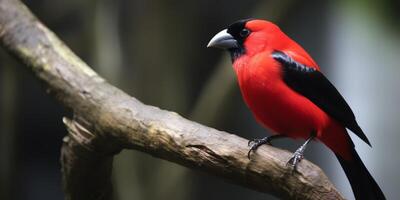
[[244, 32]]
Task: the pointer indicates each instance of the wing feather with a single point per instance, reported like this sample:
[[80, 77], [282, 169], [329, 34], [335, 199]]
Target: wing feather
[[312, 84]]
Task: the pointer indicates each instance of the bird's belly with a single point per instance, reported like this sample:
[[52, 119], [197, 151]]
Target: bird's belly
[[283, 110]]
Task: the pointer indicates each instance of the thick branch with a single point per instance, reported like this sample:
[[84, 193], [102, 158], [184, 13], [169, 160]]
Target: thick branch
[[120, 121]]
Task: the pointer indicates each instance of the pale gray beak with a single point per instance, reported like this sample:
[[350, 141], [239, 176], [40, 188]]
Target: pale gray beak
[[223, 40]]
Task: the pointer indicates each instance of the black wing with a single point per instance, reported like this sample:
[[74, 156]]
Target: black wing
[[316, 87]]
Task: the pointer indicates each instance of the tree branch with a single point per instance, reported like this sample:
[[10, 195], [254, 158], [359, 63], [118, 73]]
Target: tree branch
[[108, 120], [86, 169]]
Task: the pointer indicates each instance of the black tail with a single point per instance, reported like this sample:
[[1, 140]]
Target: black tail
[[363, 185]]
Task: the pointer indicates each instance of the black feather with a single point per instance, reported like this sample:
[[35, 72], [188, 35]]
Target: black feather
[[313, 85], [363, 185]]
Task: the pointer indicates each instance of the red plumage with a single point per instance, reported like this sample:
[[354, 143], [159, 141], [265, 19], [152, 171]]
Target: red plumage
[[283, 87], [274, 104]]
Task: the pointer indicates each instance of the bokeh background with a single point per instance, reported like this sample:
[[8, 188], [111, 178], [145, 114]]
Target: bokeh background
[[155, 51]]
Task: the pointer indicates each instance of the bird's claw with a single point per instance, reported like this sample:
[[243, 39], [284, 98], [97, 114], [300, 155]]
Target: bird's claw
[[252, 148], [295, 159], [252, 142], [255, 143]]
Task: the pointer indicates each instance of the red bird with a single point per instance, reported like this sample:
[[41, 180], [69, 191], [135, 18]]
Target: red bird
[[284, 88]]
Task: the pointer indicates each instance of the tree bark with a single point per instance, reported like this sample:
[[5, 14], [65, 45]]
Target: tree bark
[[86, 169], [107, 120]]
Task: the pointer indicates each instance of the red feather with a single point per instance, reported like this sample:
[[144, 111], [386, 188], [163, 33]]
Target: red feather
[[274, 104], [282, 86]]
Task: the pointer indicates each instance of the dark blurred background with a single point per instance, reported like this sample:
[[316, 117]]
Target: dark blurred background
[[155, 51]]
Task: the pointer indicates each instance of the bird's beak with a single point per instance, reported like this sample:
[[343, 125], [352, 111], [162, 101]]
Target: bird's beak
[[223, 40]]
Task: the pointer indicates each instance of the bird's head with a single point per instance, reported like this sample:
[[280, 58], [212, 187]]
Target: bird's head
[[247, 36]]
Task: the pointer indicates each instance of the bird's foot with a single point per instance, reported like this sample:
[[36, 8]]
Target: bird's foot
[[295, 159], [299, 153], [255, 143]]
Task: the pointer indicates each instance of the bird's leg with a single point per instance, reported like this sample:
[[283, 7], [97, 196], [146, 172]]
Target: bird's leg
[[299, 153], [255, 143]]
